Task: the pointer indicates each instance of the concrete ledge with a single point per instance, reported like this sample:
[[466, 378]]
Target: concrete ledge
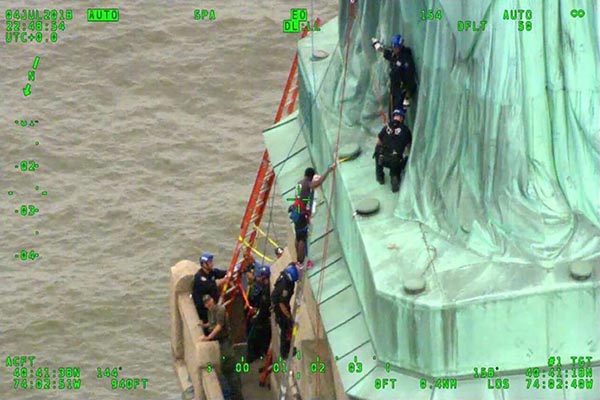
[[183, 378], [182, 276], [191, 356], [212, 388]]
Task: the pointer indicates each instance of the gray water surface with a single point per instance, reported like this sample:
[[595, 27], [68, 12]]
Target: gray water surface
[[150, 136]]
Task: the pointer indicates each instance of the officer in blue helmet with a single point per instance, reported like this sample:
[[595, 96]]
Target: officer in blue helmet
[[206, 281], [403, 75], [280, 298], [259, 333], [393, 142]]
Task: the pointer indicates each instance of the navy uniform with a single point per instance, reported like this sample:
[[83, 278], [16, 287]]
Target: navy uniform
[[205, 283], [403, 75], [393, 139], [259, 335], [282, 294]]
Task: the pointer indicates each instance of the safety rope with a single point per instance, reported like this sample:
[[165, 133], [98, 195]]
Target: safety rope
[[291, 148], [287, 157], [312, 49], [256, 251], [351, 12], [430, 249], [271, 240], [375, 87]]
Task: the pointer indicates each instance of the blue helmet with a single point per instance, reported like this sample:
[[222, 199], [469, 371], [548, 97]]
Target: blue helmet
[[205, 257], [251, 267], [399, 111], [291, 271], [397, 41], [264, 272]]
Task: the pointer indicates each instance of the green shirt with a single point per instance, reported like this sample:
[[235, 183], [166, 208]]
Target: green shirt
[[217, 316]]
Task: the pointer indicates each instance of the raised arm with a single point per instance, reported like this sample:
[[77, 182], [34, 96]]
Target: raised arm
[[315, 184], [376, 45]]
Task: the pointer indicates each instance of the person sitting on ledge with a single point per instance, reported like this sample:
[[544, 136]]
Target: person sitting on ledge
[[218, 328]]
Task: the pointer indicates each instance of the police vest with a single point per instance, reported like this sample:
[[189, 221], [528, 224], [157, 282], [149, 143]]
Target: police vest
[[402, 73], [205, 284], [394, 138]]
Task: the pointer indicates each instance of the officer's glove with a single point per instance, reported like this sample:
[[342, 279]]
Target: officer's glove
[[377, 151], [375, 43], [406, 102]]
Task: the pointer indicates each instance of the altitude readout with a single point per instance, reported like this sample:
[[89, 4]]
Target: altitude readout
[[119, 382]]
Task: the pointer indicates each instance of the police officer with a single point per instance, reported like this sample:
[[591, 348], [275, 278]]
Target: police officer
[[206, 281], [259, 336], [392, 142], [280, 298], [218, 328], [403, 75], [247, 266]]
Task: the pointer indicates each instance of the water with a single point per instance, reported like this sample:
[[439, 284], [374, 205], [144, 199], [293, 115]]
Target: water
[[149, 139]]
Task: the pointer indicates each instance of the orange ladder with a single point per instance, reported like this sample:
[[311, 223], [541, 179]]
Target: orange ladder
[[288, 99], [258, 199], [252, 217]]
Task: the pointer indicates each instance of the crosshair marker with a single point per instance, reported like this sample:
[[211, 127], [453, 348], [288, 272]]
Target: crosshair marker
[[306, 199]]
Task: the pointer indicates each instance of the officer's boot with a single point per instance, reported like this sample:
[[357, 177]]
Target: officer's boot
[[379, 170], [395, 183]]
